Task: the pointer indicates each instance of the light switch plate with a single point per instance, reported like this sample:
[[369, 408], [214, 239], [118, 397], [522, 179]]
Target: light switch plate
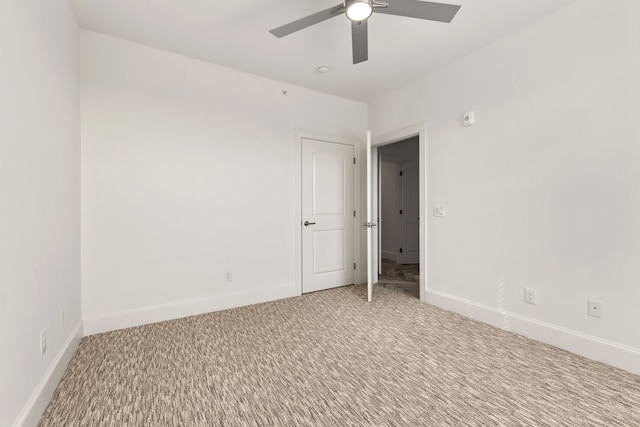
[[439, 211], [530, 296]]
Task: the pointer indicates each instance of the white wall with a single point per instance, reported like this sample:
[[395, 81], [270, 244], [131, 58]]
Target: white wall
[[543, 191], [39, 200], [188, 172]]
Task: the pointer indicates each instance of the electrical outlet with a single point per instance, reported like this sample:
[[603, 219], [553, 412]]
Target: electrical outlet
[[595, 308], [43, 342], [530, 296], [228, 276]]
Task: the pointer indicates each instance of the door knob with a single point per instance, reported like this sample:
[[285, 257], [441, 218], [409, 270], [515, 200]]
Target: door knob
[[307, 223]]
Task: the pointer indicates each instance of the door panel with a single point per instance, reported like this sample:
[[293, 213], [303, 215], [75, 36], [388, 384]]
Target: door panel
[[410, 236], [390, 206], [372, 270], [327, 208], [375, 210], [328, 187], [328, 251]]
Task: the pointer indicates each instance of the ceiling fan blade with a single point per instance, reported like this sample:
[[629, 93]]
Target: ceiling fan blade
[[359, 41], [421, 9], [307, 21]]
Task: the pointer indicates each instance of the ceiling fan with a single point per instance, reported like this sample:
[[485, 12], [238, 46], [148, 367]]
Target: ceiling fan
[[359, 11]]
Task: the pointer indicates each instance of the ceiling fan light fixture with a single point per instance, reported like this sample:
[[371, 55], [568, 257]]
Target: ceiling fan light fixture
[[359, 10]]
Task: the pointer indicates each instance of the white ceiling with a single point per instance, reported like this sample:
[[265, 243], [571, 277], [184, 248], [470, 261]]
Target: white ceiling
[[235, 33]]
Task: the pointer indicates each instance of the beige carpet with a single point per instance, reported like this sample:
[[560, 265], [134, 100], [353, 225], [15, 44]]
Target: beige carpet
[[331, 359]]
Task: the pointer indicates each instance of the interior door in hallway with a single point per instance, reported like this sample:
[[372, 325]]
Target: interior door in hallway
[[410, 232], [327, 215]]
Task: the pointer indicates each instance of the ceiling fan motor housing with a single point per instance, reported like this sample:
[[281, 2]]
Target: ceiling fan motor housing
[[358, 10]]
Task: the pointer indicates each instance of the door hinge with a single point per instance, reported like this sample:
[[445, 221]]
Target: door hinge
[[354, 160], [400, 173], [400, 250], [400, 211], [354, 265], [354, 214]]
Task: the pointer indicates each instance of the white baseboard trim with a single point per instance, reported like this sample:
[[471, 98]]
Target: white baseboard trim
[[185, 308], [389, 255], [37, 403], [594, 348]]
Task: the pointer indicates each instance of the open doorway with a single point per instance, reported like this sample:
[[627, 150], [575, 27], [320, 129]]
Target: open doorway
[[399, 214]]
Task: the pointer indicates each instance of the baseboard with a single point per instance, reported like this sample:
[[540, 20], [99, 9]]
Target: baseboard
[[391, 256], [184, 308], [594, 348], [37, 403]]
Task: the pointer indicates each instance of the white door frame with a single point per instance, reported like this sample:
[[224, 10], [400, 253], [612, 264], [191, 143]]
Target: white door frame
[[299, 136], [420, 130]]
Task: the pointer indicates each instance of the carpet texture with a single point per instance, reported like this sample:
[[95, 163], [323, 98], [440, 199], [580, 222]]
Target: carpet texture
[[331, 359]]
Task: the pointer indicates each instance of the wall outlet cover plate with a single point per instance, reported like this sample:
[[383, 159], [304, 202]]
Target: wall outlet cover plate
[[595, 308]]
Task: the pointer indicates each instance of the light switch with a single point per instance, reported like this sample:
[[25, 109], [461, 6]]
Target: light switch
[[439, 210]]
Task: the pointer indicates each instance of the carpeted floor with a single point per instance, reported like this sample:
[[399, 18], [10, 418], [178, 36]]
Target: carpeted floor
[[331, 359]]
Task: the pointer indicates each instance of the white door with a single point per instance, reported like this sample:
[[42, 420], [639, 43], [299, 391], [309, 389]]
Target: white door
[[372, 208], [389, 206], [410, 213], [379, 212], [327, 215]]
